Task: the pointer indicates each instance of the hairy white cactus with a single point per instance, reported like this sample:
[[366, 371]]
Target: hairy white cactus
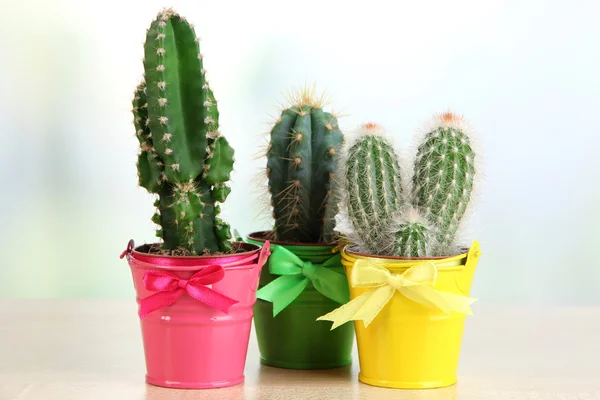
[[412, 235], [387, 219], [443, 176], [372, 184]]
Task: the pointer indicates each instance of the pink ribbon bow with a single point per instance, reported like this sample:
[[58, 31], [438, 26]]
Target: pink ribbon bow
[[170, 288]]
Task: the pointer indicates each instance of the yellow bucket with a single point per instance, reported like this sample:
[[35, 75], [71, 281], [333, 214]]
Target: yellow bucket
[[409, 345]]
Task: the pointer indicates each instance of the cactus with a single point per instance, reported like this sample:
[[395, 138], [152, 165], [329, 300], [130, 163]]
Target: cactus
[[373, 184], [443, 178], [301, 162], [385, 221], [184, 159], [412, 238]]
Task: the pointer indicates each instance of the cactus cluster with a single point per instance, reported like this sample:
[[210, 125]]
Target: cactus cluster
[[183, 158], [301, 159], [186, 161], [386, 218]]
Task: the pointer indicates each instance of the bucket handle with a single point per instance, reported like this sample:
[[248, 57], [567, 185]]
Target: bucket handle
[[464, 278], [128, 250]]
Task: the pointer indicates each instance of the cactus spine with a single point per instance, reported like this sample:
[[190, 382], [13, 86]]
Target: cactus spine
[[184, 159], [301, 162], [373, 185], [385, 219]]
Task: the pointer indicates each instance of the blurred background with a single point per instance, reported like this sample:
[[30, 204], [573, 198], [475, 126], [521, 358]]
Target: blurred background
[[524, 73]]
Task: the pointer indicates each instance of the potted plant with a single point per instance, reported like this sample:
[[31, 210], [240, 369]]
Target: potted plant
[[196, 289], [305, 277], [409, 280]]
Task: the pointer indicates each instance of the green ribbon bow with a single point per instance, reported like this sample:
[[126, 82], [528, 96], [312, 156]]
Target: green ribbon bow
[[295, 277]]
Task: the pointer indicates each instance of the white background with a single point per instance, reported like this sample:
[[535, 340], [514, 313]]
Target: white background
[[524, 73]]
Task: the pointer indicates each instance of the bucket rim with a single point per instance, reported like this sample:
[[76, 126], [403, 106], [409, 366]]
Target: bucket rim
[[463, 253], [396, 263], [140, 259], [261, 236]]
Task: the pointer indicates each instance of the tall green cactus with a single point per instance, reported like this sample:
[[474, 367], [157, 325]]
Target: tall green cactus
[[443, 179], [184, 159], [301, 162], [385, 220], [373, 184]]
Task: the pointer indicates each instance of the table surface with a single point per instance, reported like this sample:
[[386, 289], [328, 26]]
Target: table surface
[[91, 349]]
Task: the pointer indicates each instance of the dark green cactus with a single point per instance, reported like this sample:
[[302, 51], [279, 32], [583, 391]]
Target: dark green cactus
[[443, 179], [373, 187], [301, 162], [184, 159]]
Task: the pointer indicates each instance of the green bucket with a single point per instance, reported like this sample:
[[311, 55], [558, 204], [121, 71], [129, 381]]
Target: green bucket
[[294, 338]]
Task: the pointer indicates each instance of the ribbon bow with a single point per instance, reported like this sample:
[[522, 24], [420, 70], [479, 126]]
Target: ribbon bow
[[170, 288], [416, 283], [295, 277]]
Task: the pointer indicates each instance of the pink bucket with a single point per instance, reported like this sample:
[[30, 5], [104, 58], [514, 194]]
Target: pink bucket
[[196, 326]]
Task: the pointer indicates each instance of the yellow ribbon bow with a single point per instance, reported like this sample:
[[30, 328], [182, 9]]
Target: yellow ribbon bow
[[416, 283]]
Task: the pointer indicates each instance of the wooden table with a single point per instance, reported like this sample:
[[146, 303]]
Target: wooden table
[[91, 349]]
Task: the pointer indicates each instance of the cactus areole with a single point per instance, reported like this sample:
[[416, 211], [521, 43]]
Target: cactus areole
[[301, 162], [183, 158]]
